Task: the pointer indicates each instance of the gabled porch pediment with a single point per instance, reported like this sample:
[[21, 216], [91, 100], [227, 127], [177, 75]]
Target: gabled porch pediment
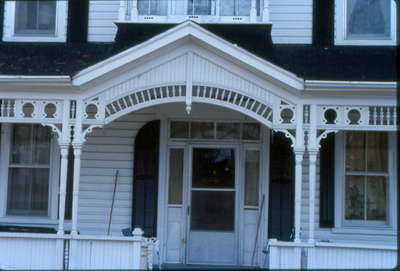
[[195, 34]]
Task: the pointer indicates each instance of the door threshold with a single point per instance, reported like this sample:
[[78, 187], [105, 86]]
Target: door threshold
[[171, 266]]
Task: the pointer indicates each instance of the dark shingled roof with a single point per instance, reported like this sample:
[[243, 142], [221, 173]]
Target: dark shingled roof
[[353, 63]]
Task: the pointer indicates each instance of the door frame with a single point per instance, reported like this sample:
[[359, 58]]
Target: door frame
[[166, 144], [188, 194]]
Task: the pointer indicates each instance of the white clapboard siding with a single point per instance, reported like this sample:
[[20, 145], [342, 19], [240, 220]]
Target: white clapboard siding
[[109, 149], [291, 20]]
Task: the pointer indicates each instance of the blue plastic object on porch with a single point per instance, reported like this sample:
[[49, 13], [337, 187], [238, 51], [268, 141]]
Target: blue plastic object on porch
[[127, 232]]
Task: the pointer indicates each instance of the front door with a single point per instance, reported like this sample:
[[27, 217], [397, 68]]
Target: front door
[[211, 209]]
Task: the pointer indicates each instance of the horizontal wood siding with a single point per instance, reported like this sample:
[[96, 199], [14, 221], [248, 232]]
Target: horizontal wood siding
[[291, 20], [102, 15], [109, 149]]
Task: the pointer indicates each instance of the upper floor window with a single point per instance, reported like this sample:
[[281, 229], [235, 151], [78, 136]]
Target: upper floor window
[[35, 21], [365, 22], [200, 10]]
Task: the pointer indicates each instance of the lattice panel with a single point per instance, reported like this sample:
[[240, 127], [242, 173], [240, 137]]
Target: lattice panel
[[234, 99], [119, 106], [25, 110]]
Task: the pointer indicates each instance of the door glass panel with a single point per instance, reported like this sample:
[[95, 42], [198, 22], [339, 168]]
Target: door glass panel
[[175, 176], [202, 130], [213, 210], [179, 129], [251, 177], [251, 131], [228, 130], [213, 168]]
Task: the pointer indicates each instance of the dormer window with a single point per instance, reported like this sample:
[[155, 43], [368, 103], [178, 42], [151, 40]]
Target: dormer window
[[201, 11], [35, 21], [365, 22], [35, 17]]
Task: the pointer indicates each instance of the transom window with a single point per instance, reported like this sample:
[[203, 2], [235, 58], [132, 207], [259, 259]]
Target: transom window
[[366, 176], [29, 171], [365, 22], [214, 130], [35, 17]]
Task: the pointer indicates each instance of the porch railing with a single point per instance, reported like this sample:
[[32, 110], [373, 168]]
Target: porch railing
[[202, 11], [289, 255], [25, 251]]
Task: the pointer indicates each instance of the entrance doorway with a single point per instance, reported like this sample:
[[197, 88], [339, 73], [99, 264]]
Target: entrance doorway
[[212, 208], [215, 182]]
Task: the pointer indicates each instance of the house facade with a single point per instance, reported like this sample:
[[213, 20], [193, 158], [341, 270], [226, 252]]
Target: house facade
[[143, 133]]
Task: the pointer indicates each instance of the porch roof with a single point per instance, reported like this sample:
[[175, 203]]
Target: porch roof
[[344, 63]]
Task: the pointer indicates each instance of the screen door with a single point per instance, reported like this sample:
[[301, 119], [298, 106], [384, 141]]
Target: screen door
[[212, 211]]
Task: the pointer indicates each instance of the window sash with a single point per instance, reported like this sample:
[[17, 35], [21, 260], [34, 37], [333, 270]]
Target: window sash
[[365, 175]]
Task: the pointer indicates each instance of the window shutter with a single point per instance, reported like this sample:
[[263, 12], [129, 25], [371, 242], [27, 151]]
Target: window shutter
[[281, 188], [327, 177], [78, 20], [70, 182], [2, 3]]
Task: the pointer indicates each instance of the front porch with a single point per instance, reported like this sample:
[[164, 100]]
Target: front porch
[[219, 109]]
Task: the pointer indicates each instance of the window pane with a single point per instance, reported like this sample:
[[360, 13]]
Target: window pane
[[212, 211], [368, 19], [28, 190], [152, 7], [251, 131], [243, 7], [199, 7], [175, 176], [227, 7], [354, 197], [376, 198], [213, 168], [179, 129], [37, 17], [202, 130], [377, 151], [252, 177], [355, 151], [228, 131]]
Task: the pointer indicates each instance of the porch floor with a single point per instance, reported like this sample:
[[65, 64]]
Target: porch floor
[[202, 267]]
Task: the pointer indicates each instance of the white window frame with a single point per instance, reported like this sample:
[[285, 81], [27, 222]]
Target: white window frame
[[341, 27], [51, 218], [364, 226], [60, 27]]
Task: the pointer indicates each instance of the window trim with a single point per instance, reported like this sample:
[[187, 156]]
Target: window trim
[[5, 145], [60, 27], [341, 25], [340, 222]]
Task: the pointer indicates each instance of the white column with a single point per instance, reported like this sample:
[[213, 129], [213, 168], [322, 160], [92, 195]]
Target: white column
[[299, 152], [297, 193], [63, 141], [63, 187], [253, 11], [137, 246], [312, 149], [265, 12], [77, 145], [134, 11], [122, 10]]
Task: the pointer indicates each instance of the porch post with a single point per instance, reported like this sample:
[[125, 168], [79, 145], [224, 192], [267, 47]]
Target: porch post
[[122, 10], [253, 11], [63, 142], [299, 152], [312, 149], [77, 145], [134, 11], [265, 12]]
